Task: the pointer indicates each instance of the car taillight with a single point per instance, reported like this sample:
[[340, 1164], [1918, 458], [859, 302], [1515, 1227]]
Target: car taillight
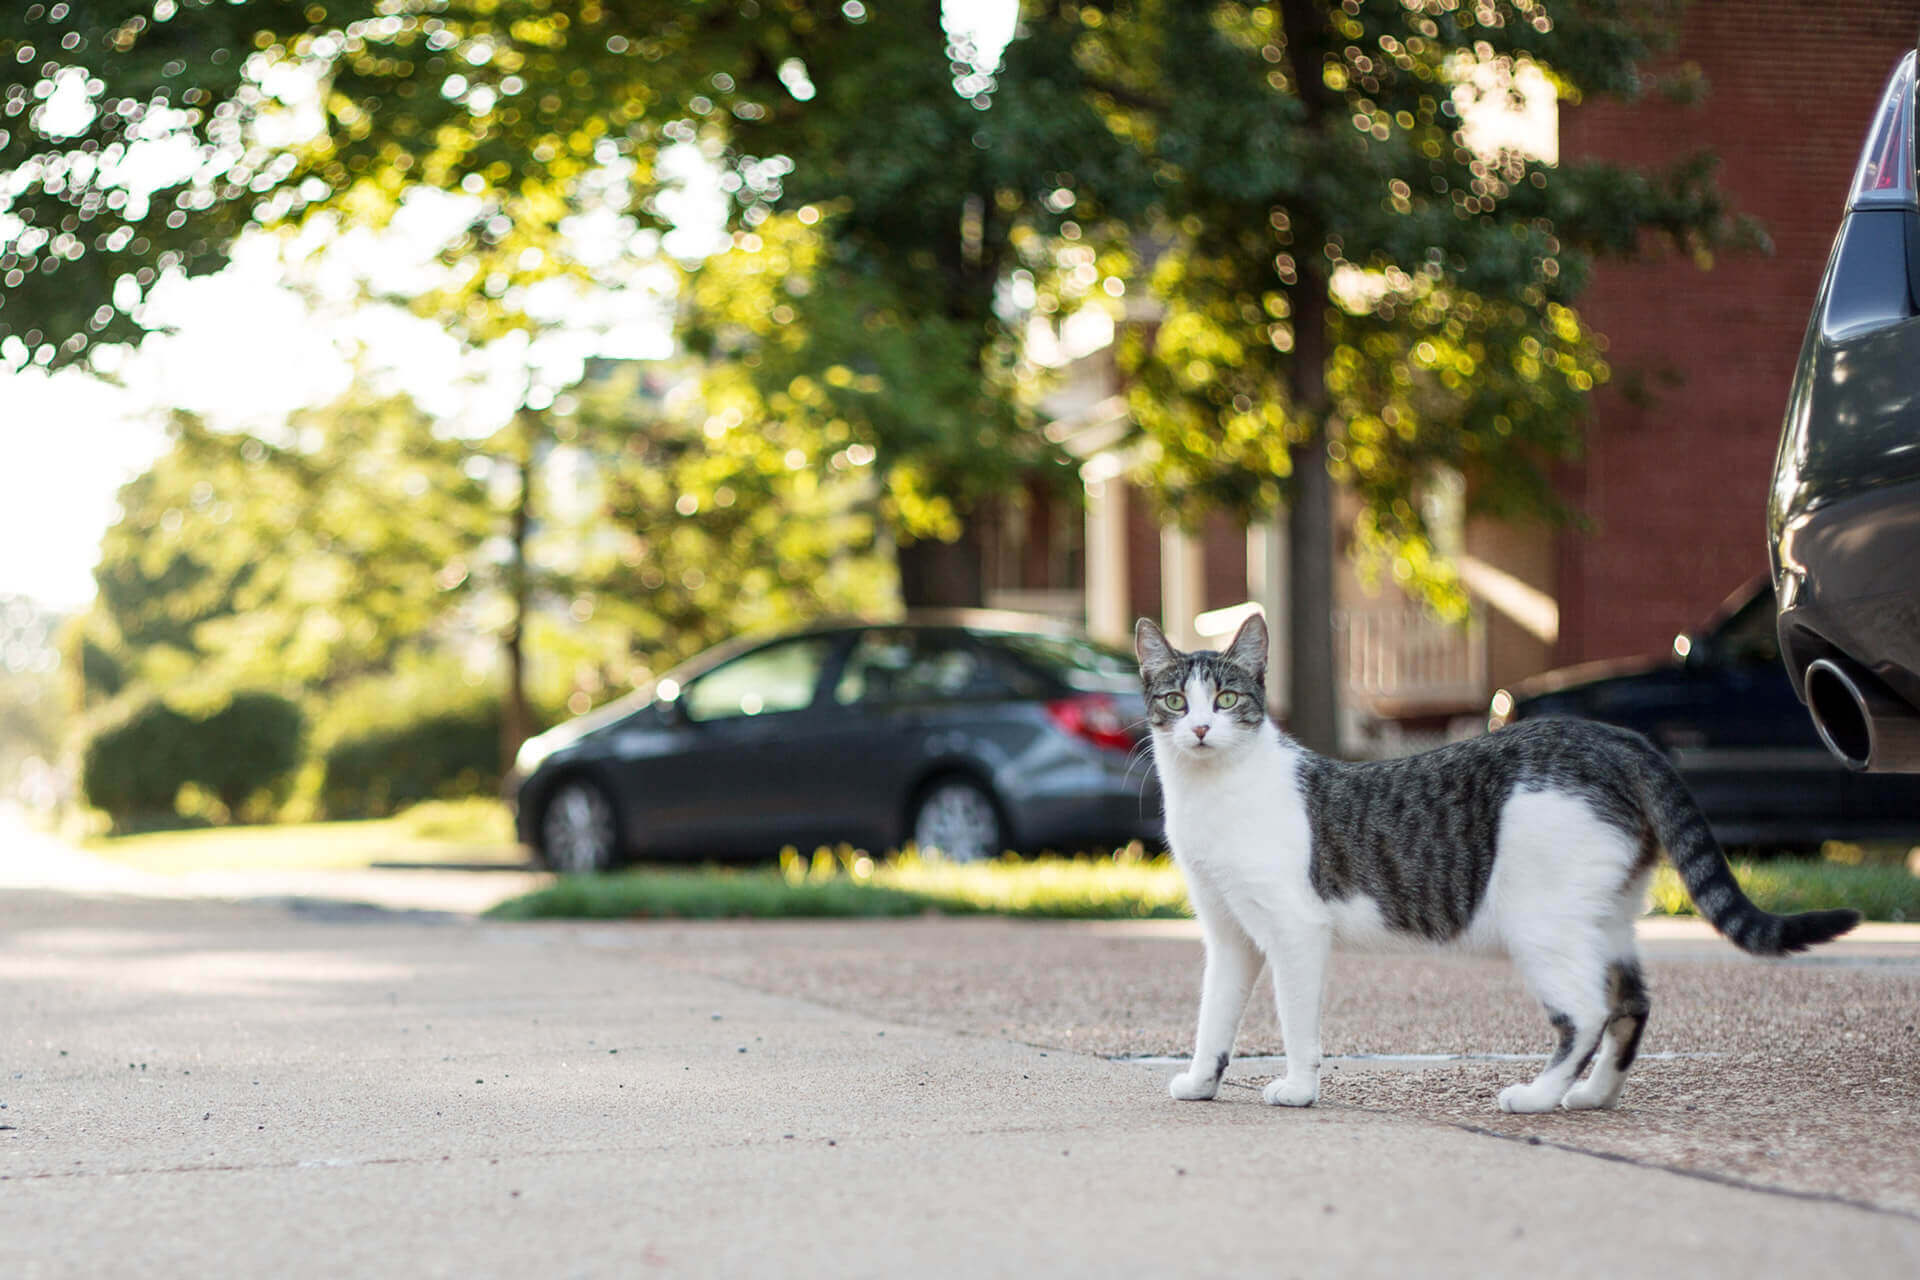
[[1094, 718], [1884, 177]]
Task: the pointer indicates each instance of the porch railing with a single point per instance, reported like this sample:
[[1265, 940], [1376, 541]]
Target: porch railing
[[1400, 656]]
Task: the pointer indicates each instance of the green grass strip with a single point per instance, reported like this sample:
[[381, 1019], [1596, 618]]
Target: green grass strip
[[1128, 887], [851, 884], [1788, 885]]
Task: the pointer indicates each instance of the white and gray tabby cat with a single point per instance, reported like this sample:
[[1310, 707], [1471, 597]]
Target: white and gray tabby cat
[[1538, 841]]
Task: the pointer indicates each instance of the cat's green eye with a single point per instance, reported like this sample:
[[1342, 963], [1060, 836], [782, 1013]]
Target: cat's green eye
[[1226, 701], [1174, 702]]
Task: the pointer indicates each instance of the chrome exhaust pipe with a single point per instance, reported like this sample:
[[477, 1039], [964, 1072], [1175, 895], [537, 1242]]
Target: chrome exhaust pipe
[[1867, 725]]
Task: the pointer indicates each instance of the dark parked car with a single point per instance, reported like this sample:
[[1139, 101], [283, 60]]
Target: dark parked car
[[1844, 518], [1724, 710], [965, 731]]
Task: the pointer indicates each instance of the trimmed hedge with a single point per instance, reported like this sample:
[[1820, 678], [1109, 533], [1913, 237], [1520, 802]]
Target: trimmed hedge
[[134, 765], [444, 755]]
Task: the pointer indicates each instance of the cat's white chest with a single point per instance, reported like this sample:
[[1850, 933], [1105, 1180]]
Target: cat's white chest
[[1241, 827]]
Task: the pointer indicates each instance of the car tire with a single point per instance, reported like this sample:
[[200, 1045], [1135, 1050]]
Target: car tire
[[957, 819], [579, 830]]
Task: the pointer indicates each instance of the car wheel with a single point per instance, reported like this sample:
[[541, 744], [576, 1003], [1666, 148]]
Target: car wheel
[[578, 834], [957, 819]]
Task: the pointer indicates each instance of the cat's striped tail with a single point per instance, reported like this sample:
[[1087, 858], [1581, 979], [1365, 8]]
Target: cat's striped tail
[[1703, 868]]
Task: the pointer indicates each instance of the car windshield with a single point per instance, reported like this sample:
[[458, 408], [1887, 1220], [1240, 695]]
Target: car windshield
[[1074, 662], [780, 677]]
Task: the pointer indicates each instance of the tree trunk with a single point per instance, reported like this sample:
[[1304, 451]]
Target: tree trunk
[[1314, 691], [516, 718], [935, 574]]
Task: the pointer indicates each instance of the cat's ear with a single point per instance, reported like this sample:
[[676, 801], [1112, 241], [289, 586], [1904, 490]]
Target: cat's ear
[[1249, 648], [1151, 647]]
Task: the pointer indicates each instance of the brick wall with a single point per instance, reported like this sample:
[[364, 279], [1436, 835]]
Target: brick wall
[[1678, 489]]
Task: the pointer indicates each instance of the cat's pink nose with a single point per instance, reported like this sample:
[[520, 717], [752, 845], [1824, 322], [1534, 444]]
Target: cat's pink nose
[[1200, 732]]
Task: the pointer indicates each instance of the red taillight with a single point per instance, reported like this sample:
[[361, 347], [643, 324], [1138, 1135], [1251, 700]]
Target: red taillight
[[1094, 717], [1884, 177]]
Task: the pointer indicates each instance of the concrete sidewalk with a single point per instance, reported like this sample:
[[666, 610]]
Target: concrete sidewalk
[[33, 859], [197, 1087]]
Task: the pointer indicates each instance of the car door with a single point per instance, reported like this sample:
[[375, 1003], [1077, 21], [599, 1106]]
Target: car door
[[735, 779], [903, 693]]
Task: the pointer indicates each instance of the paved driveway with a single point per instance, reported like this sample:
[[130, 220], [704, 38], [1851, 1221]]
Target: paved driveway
[[291, 1089], [328, 1072]]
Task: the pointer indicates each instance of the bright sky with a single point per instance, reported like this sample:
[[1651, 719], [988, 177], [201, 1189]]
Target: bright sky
[[247, 351]]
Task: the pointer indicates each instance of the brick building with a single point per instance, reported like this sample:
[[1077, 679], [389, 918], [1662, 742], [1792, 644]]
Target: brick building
[[1677, 490]]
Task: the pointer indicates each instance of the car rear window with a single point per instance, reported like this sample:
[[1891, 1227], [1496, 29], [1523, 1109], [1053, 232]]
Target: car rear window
[[1074, 662]]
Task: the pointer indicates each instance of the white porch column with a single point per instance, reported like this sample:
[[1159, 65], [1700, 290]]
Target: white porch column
[[1109, 610], [1267, 587], [1183, 585]]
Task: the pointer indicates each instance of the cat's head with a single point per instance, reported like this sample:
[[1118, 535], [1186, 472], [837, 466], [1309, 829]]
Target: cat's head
[[1204, 705]]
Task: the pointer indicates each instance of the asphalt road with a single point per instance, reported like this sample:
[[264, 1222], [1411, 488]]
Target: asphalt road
[[295, 1087]]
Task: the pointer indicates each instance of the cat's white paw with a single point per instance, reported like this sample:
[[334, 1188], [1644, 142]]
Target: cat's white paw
[[1584, 1097], [1291, 1093], [1194, 1086], [1525, 1099]]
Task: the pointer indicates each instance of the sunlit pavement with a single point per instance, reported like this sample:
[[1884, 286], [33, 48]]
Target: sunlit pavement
[[32, 859], [261, 1088]]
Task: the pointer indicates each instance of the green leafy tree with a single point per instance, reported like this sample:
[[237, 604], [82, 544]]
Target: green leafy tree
[[693, 523], [531, 113], [1348, 292], [294, 560]]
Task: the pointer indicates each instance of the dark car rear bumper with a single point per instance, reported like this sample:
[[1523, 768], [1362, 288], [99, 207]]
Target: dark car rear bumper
[[1091, 796], [1070, 822], [1847, 585]]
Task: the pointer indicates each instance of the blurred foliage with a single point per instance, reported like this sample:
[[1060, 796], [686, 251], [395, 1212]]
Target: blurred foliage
[[710, 526], [415, 755], [1317, 202], [1283, 164], [298, 559], [277, 112], [137, 762], [426, 729]]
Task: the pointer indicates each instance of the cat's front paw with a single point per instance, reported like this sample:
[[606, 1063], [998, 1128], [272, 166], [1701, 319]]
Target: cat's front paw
[[1291, 1093], [1194, 1086]]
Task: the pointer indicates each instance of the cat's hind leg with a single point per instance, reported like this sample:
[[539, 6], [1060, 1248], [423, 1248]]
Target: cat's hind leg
[[1627, 1003], [1626, 1019], [1567, 974]]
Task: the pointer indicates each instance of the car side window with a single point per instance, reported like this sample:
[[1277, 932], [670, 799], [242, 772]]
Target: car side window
[[889, 666], [780, 677], [1073, 661]]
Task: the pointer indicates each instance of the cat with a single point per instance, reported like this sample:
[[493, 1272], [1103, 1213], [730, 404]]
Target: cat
[[1538, 840]]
